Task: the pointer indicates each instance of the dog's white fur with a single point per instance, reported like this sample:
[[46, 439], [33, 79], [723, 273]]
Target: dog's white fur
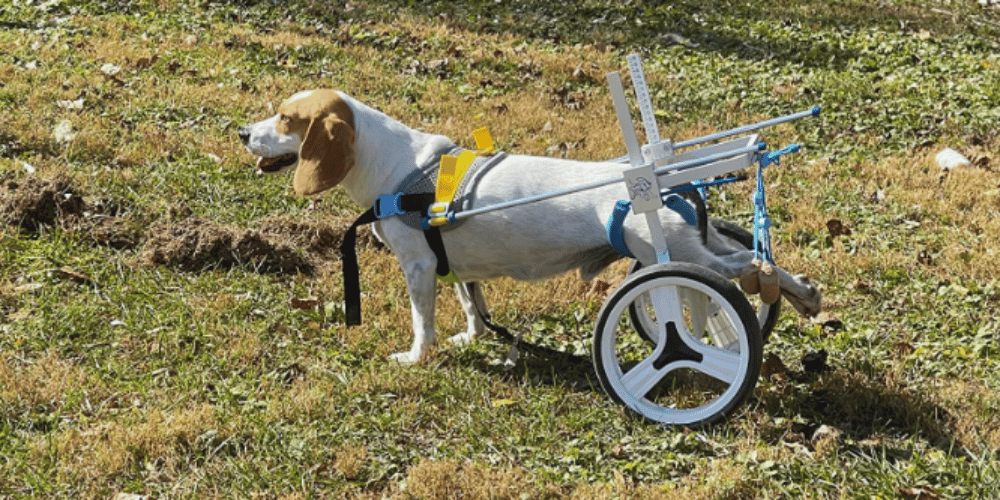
[[528, 242]]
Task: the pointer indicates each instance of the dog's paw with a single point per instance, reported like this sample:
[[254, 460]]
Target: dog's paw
[[807, 299], [463, 338], [406, 358]]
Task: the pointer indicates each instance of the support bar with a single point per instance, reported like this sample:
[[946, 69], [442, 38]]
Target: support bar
[[594, 185], [749, 128], [739, 130]]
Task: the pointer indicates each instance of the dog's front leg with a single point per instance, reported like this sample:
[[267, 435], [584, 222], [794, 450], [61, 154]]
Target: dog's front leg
[[473, 303], [422, 285]]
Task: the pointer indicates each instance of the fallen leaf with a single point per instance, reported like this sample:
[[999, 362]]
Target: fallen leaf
[[599, 288], [73, 275], [815, 362], [837, 228], [71, 105], [110, 69], [904, 348], [773, 367], [306, 304], [925, 258], [918, 492]]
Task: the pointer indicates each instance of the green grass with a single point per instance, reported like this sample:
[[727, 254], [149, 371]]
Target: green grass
[[117, 376]]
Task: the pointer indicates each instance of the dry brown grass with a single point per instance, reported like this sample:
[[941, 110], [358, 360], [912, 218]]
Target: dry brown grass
[[155, 443], [446, 479], [80, 414]]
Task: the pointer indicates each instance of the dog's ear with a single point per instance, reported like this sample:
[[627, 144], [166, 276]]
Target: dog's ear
[[326, 155]]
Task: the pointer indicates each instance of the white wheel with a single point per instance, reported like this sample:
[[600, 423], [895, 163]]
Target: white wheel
[[707, 351], [767, 314]]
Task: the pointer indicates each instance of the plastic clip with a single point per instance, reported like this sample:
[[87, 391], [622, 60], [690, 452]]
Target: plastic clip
[[387, 205], [437, 214], [775, 156]]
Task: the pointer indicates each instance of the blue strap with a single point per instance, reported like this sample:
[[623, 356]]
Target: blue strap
[[614, 228], [761, 220], [681, 206], [616, 223]]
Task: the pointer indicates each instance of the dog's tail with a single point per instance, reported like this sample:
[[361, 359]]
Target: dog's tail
[[702, 211]]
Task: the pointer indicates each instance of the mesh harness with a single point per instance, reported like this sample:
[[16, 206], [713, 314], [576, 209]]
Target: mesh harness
[[410, 202]]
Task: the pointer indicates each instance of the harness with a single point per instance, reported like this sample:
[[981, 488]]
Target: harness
[[411, 201]]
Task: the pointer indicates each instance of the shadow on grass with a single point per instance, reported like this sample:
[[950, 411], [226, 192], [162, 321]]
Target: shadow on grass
[[864, 408], [553, 368]]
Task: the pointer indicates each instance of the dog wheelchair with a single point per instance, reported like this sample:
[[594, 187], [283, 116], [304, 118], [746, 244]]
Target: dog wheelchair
[[676, 343]]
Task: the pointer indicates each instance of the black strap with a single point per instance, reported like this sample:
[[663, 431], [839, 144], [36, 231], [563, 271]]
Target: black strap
[[349, 260], [433, 237], [418, 202], [540, 351]]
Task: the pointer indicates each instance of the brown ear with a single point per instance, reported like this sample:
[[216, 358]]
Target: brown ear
[[325, 157]]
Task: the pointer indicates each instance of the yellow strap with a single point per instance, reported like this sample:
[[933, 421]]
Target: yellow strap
[[450, 175], [484, 142], [451, 171]]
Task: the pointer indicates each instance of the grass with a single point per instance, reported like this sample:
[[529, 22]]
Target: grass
[[202, 377]]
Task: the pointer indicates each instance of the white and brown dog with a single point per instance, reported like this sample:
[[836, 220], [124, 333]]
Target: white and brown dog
[[333, 139]]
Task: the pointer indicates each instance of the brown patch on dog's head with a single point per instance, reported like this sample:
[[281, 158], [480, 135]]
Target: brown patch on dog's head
[[326, 124]]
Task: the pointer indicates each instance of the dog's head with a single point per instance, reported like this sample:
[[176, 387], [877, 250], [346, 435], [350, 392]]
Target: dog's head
[[313, 132]]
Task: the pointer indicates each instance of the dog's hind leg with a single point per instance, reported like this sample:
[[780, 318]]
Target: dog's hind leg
[[800, 292], [684, 245], [473, 304]]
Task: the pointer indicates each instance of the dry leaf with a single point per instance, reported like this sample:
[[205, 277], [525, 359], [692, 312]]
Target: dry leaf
[[918, 492], [73, 275], [837, 228], [773, 367], [306, 304]]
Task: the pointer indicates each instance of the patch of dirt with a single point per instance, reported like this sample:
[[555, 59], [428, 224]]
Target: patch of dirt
[[197, 245], [278, 245], [186, 242], [33, 203]]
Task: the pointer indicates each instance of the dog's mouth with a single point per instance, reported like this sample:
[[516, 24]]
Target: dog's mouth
[[277, 163]]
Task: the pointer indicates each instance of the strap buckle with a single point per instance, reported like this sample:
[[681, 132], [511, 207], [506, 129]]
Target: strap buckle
[[387, 205], [438, 213]]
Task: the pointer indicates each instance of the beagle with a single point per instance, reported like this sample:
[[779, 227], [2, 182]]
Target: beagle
[[330, 138]]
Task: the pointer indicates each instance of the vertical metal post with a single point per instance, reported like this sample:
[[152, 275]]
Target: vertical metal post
[[659, 240]]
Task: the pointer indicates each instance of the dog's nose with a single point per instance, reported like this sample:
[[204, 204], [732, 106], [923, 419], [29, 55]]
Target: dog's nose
[[244, 134]]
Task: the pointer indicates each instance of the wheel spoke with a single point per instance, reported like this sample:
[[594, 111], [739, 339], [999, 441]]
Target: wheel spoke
[[641, 378], [692, 352], [719, 364]]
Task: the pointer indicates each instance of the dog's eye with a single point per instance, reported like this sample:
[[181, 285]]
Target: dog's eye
[[284, 119]]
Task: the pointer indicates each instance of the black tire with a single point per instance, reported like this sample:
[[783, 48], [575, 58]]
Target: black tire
[[646, 377]]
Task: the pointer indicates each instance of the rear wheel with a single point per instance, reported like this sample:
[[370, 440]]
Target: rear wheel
[[707, 354]]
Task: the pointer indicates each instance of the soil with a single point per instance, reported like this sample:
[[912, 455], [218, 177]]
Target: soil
[[185, 242], [32, 203], [278, 245]]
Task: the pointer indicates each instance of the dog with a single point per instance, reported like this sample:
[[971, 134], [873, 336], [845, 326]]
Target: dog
[[331, 139]]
